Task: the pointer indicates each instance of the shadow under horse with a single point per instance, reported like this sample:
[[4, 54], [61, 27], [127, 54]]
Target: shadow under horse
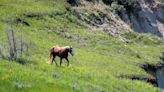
[[61, 52]]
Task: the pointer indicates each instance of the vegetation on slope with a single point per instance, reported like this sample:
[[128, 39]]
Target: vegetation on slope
[[99, 58]]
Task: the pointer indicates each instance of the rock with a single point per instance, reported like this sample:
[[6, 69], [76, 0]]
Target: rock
[[143, 16], [145, 19], [159, 12]]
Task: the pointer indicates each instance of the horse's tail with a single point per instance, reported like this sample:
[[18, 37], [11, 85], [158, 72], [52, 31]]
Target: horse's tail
[[50, 55]]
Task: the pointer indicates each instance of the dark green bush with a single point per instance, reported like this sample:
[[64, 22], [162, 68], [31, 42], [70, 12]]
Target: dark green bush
[[119, 5]]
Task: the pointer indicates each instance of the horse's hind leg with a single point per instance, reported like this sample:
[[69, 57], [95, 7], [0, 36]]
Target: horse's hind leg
[[54, 60], [67, 61]]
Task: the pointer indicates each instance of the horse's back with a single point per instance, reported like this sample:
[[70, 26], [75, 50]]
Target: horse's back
[[55, 49]]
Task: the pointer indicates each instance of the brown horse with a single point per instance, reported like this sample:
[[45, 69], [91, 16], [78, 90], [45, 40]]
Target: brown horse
[[61, 52]]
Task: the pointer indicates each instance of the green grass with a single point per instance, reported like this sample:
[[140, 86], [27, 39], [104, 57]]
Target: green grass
[[99, 58]]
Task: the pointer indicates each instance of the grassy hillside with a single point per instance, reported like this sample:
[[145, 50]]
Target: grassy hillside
[[99, 58]]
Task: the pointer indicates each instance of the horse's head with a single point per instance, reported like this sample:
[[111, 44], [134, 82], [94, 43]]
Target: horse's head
[[71, 50]]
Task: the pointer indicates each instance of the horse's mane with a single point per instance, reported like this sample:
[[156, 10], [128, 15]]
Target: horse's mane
[[66, 47]]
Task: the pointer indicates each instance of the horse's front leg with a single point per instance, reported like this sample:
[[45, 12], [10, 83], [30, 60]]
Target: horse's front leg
[[67, 61], [60, 61]]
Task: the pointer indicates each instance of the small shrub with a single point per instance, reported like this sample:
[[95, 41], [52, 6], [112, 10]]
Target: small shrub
[[19, 85], [116, 7], [74, 86], [55, 75], [16, 46], [130, 35], [119, 5], [21, 60]]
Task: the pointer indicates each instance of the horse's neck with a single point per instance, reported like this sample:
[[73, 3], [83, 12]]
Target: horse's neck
[[65, 47]]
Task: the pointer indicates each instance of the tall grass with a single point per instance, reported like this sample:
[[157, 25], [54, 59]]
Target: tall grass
[[99, 58]]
